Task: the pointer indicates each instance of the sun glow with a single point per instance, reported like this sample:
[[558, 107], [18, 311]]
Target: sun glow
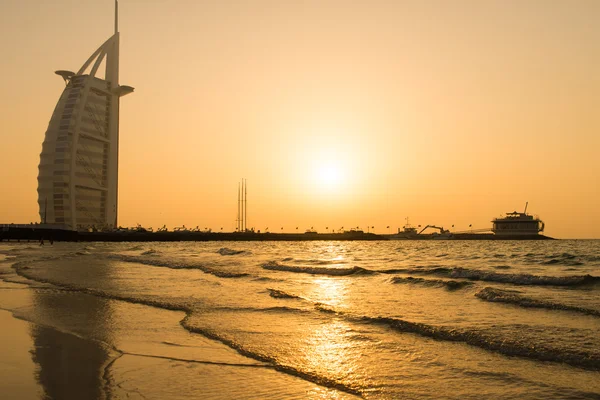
[[328, 176]]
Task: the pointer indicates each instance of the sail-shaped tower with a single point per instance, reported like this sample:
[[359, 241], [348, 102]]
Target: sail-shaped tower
[[79, 163]]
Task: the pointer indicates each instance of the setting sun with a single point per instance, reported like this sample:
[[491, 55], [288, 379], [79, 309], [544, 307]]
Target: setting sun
[[328, 176]]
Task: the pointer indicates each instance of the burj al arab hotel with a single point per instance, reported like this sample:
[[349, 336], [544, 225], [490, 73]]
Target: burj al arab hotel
[[79, 163]]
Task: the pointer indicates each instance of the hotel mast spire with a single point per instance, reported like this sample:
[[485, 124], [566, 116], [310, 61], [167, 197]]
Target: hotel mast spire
[[116, 16]]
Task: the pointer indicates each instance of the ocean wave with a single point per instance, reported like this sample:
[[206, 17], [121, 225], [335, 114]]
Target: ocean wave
[[563, 262], [259, 356], [135, 248], [249, 309], [567, 256], [524, 279], [317, 261], [172, 304], [500, 345], [179, 265], [450, 285], [224, 251], [487, 276], [150, 252], [447, 272], [266, 279], [563, 258], [283, 309], [441, 271], [513, 297], [275, 266], [280, 294], [326, 308]]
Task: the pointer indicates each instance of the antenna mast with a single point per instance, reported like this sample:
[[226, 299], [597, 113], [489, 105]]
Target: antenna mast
[[242, 208], [238, 210], [526, 204], [246, 206]]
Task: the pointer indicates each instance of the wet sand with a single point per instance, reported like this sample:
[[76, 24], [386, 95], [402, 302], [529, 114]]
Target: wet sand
[[40, 361], [17, 369]]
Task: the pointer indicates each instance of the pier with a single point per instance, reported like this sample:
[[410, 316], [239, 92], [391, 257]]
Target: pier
[[33, 232]]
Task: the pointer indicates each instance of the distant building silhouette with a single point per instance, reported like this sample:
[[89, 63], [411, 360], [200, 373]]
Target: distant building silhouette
[[78, 171]]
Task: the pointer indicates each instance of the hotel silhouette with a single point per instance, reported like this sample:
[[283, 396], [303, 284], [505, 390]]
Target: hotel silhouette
[[79, 163]]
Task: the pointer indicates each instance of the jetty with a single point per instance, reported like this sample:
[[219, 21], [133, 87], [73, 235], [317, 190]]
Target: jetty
[[39, 232]]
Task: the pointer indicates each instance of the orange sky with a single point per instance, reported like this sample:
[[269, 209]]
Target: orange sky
[[338, 113]]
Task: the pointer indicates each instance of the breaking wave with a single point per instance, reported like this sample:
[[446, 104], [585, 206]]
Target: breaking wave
[[487, 276], [513, 297], [180, 265], [224, 251], [562, 261], [446, 272], [500, 345], [450, 285], [316, 261], [524, 279], [274, 266], [150, 252], [135, 248], [497, 344], [280, 294], [277, 365]]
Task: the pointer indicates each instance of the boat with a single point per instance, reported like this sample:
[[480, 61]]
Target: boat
[[518, 223], [408, 232]]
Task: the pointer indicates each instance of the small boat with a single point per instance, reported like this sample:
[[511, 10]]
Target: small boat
[[408, 232], [518, 223]]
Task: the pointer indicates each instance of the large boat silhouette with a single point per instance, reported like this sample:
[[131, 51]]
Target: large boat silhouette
[[518, 223]]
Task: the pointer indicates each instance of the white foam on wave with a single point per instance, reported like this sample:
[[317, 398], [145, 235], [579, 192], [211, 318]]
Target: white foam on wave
[[496, 295], [275, 266], [224, 251], [173, 264]]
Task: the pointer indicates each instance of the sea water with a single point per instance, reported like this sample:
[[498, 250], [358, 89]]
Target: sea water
[[385, 319]]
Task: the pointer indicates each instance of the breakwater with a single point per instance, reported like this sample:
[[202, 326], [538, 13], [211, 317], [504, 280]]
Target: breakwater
[[38, 232]]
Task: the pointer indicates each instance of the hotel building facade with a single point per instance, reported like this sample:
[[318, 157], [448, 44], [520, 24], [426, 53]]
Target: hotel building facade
[[79, 163]]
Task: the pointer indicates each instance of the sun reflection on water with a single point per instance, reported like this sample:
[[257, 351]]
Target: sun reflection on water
[[329, 351], [328, 291]]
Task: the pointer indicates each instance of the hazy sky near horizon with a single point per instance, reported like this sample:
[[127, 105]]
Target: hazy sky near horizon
[[338, 113]]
